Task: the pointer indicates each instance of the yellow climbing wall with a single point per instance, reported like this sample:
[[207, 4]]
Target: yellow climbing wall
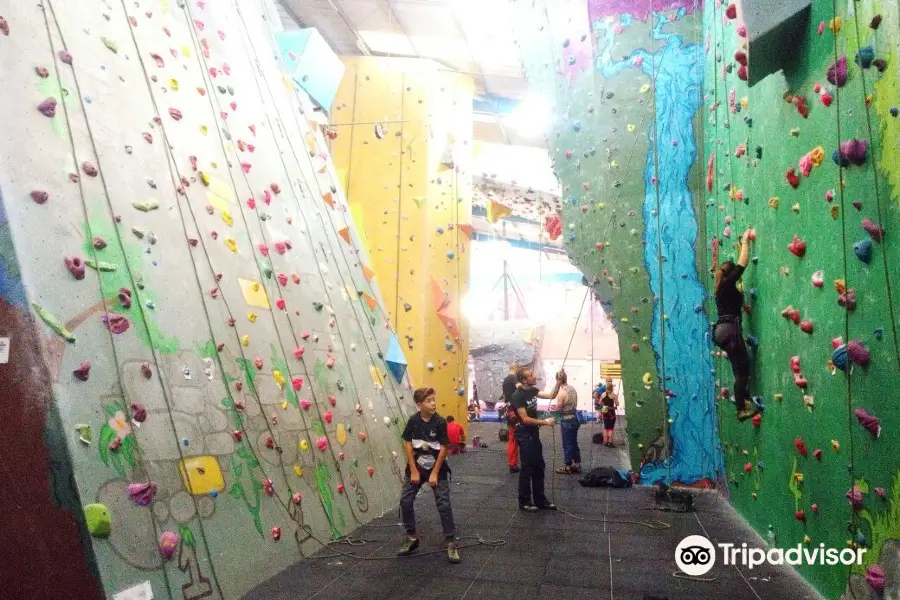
[[403, 152]]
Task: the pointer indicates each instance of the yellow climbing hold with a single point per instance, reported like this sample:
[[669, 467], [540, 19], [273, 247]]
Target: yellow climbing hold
[[226, 216], [773, 202], [232, 244], [835, 24], [298, 470], [806, 539], [279, 378], [640, 445], [613, 165], [744, 102], [834, 212], [816, 155], [304, 445], [645, 88], [631, 127], [204, 130], [185, 50], [173, 83], [647, 379], [341, 434], [835, 446], [201, 475], [284, 406], [251, 316], [245, 340], [204, 177]]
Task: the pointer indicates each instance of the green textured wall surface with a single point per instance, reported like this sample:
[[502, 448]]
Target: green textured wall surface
[[756, 136], [164, 146]]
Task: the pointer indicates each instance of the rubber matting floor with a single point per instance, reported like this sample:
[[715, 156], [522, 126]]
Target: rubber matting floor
[[547, 555]]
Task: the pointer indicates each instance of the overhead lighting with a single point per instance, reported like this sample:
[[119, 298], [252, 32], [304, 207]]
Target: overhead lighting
[[532, 117]]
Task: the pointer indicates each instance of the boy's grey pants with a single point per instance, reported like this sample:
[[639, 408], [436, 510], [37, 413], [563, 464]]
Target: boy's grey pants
[[441, 499]]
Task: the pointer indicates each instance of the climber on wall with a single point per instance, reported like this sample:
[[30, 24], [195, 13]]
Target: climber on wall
[[727, 332]]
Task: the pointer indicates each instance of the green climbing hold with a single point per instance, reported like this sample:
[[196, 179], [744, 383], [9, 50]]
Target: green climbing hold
[[85, 433], [52, 321], [318, 306], [113, 47], [100, 266], [267, 271], [99, 521], [145, 205]]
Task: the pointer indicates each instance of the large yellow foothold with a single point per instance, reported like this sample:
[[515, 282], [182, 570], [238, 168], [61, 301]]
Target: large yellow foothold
[[341, 434], [245, 340], [279, 378], [201, 475]]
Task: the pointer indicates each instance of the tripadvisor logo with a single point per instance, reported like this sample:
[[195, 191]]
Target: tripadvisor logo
[[695, 555]]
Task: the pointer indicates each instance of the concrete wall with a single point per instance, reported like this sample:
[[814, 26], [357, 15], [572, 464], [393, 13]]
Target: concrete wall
[[777, 137], [410, 202], [179, 162], [625, 89]]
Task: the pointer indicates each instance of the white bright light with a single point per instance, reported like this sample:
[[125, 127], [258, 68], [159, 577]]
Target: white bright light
[[532, 116]]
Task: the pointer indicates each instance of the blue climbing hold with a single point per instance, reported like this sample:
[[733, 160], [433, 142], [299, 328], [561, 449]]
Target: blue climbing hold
[[895, 111], [213, 493], [865, 56], [840, 358], [863, 250], [753, 341], [752, 292], [879, 334], [576, 125]]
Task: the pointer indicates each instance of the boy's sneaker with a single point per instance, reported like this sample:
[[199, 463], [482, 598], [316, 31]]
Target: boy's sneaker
[[529, 508], [452, 551], [407, 546]]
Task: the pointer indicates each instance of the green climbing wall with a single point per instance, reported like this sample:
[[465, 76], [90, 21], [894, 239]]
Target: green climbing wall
[[192, 340], [756, 135], [631, 206]]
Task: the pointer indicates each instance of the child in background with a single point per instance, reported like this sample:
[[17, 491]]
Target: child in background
[[426, 443], [456, 435]]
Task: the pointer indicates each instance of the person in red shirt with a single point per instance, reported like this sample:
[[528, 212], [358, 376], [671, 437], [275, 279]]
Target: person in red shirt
[[456, 435]]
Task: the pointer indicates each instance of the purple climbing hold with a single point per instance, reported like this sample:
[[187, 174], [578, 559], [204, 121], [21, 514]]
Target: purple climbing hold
[[875, 578], [875, 231], [115, 323], [138, 412], [65, 57], [48, 107], [142, 493], [872, 424], [168, 543], [837, 72], [125, 297], [89, 169], [39, 196], [847, 299], [858, 353], [75, 266]]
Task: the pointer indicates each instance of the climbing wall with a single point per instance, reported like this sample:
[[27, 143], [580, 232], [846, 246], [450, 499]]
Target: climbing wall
[[401, 134], [625, 85], [196, 346], [808, 158]]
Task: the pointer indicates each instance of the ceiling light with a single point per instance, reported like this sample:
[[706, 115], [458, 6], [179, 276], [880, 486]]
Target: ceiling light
[[532, 117]]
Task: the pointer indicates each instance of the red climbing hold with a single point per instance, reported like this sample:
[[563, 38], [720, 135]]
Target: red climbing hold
[[238, 435], [806, 326], [340, 489], [817, 453], [800, 103], [275, 188], [741, 57], [800, 446], [742, 73], [83, 371], [42, 72], [792, 178], [297, 498], [875, 232], [75, 266], [270, 443], [731, 11], [138, 412], [276, 533], [332, 400], [826, 98], [797, 247], [792, 314], [757, 420], [175, 114], [125, 297], [282, 279], [800, 515], [280, 303], [146, 371], [296, 383], [370, 471]]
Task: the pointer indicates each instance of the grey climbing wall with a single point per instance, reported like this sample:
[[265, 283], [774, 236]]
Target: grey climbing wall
[[179, 300]]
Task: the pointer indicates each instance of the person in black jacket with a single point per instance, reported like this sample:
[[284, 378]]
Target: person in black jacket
[[727, 332]]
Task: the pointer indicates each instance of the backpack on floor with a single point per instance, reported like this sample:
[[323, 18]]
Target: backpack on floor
[[597, 438], [606, 477]]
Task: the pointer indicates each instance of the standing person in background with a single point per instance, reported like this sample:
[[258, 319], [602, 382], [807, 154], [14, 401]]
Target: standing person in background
[[531, 478], [609, 403], [598, 405], [567, 405], [456, 436], [512, 447]]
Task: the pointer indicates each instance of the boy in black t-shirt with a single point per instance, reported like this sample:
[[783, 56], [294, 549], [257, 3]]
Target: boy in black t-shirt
[[426, 443]]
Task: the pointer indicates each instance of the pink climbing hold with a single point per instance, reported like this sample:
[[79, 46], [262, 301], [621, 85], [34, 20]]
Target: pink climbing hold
[[168, 543], [142, 493], [4, 26], [797, 247], [89, 169], [858, 353], [328, 416], [855, 151], [251, 203], [874, 231], [280, 303], [298, 352], [305, 404], [280, 247], [870, 423], [826, 98], [42, 72], [245, 167], [297, 383], [332, 400], [806, 326], [322, 443], [116, 324], [83, 371], [875, 578], [159, 60], [138, 412], [818, 279], [370, 471], [263, 249], [65, 57], [75, 266], [48, 107], [295, 278], [854, 495], [731, 11], [297, 498], [125, 297], [282, 279], [146, 371], [330, 362], [847, 299], [175, 114]]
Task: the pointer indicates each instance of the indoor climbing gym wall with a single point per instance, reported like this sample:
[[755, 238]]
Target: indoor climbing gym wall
[[802, 146], [624, 81], [191, 340], [401, 133]]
